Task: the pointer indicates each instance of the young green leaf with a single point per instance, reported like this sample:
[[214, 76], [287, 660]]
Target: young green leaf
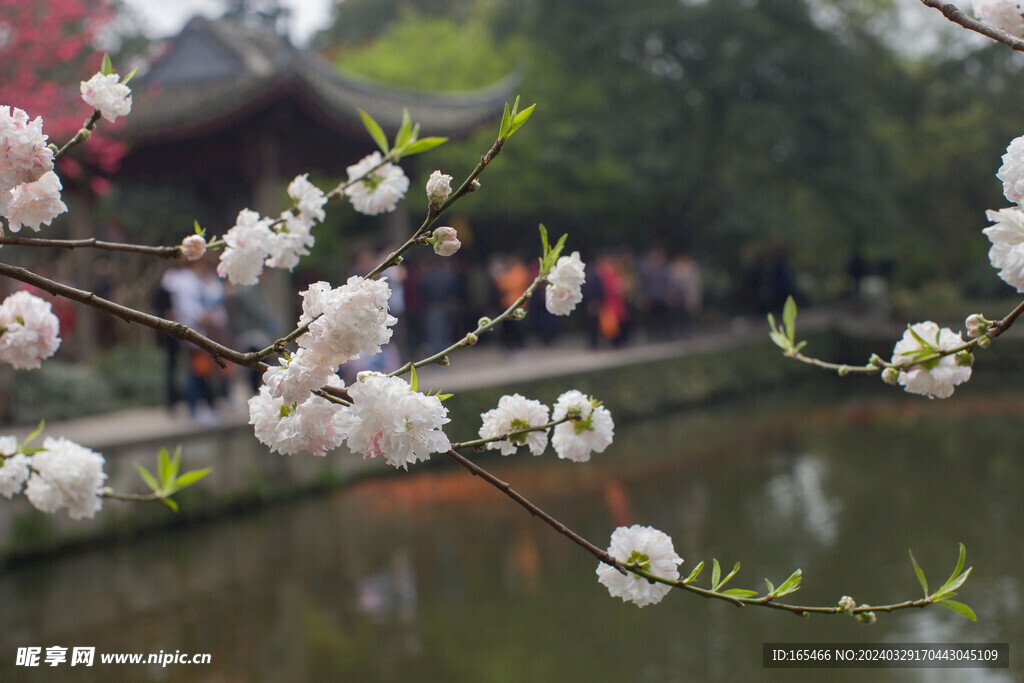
[[791, 584], [506, 121], [106, 68], [164, 468], [728, 576], [148, 478], [716, 573], [960, 608], [170, 503], [414, 381], [189, 478], [131, 74], [739, 593], [32, 437], [771, 587], [519, 119], [920, 574], [789, 318], [375, 131], [423, 145], [695, 573], [402, 136]]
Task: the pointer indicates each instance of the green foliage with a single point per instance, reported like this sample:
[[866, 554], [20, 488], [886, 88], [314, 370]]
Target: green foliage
[[169, 482], [943, 596]]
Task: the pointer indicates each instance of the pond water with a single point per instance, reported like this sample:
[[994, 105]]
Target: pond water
[[435, 576]]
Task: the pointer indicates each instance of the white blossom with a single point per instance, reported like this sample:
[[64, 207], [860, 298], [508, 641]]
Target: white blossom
[[652, 551], [13, 467], [576, 439], [33, 204], [193, 247], [388, 418], [1007, 251], [933, 378], [381, 190], [66, 475], [438, 188], [107, 94], [308, 198], [1003, 14], [513, 413], [29, 331], [247, 242], [353, 318], [292, 240], [315, 425], [295, 377], [446, 241], [24, 155], [565, 283]]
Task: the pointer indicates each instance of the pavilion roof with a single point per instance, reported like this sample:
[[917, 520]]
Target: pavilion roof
[[218, 72]]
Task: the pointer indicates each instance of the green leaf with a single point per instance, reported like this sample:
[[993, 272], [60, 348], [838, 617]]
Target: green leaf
[[191, 477], [131, 74], [414, 381], [728, 576], [739, 593], [444, 397], [959, 566], [695, 573], [920, 574], [423, 145], [506, 120], [960, 608], [920, 340], [716, 572], [148, 478], [791, 584], [789, 318], [402, 136], [170, 503], [521, 118], [556, 251], [165, 468], [955, 582], [106, 68], [32, 437], [544, 239], [198, 229], [375, 131], [771, 587]]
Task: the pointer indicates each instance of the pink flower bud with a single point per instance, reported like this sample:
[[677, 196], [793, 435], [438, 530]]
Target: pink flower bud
[[446, 241], [438, 188], [193, 247]]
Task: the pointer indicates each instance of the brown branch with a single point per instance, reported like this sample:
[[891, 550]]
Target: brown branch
[[219, 352], [92, 242], [957, 16]]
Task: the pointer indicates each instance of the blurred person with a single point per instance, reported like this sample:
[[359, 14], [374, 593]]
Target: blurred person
[[687, 301], [439, 288], [511, 278], [613, 316], [655, 293]]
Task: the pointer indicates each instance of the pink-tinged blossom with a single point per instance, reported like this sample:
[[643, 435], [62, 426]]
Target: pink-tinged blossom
[[315, 425], [933, 378], [1003, 14], [565, 285], [381, 190], [107, 94], [389, 419], [193, 247], [32, 204], [513, 413], [66, 475], [353, 318], [438, 188], [28, 331], [247, 242], [1007, 253], [295, 377], [592, 432], [652, 551], [292, 240], [24, 155], [309, 199], [446, 241]]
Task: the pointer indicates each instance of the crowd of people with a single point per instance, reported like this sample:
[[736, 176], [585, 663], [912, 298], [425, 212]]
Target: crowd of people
[[654, 297]]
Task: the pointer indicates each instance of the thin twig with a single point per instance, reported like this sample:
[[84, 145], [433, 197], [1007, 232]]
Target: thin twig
[[92, 242], [957, 16]]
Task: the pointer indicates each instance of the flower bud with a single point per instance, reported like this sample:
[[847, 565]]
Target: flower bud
[[984, 341], [519, 313], [446, 241], [866, 617], [965, 359], [482, 322], [846, 603], [474, 186], [471, 339], [876, 361], [193, 247], [438, 189], [443, 361], [976, 325], [891, 376], [843, 371]]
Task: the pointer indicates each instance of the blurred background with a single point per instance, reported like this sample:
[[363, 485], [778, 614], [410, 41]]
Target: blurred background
[[707, 158]]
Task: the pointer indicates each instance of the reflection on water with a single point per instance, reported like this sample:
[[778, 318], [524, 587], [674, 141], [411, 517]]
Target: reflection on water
[[434, 576]]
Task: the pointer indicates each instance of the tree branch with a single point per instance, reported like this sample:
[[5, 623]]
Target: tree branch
[[957, 16]]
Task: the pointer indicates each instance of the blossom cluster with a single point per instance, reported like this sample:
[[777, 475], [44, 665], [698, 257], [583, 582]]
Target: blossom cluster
[[1007, 15], [649, 550], [931, 377], [254, 241], [375, 186], [589, 428], [62, 474], [29, 189], [565, 285]]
